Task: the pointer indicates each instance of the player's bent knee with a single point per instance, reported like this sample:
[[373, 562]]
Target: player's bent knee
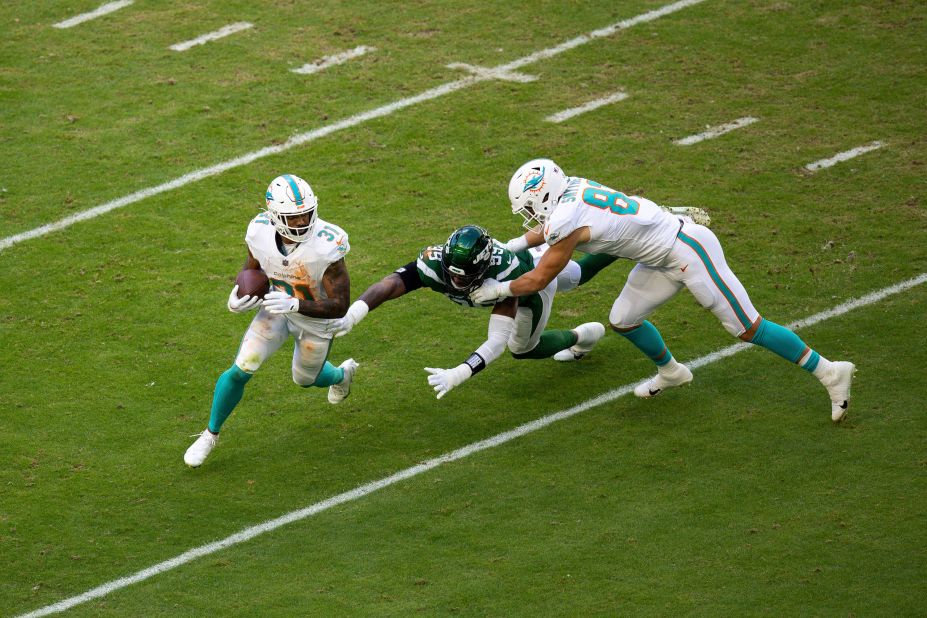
[[248, 364]]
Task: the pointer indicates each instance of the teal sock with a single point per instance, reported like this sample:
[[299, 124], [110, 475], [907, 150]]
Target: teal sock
[[551, 342], [229, 388], [328, 375], [590, 265], [785, 343], [648, 340]]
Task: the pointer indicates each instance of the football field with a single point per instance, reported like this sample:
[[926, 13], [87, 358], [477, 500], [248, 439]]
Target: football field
[[137, 139]]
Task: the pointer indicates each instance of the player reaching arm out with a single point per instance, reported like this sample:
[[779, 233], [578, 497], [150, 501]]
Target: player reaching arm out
[[672, 250], [548, 267], [467, 258]]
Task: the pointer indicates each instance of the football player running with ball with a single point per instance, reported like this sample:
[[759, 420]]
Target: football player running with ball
[[468, 257], [671, 252], [303, 257]]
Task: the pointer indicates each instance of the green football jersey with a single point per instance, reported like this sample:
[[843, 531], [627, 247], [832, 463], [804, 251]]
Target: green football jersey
[[505, 265]]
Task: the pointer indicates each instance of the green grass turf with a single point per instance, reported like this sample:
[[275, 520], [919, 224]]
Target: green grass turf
[[735, 496]]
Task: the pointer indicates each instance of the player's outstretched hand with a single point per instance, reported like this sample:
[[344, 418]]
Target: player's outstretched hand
[[342, 326], [243, 304], [280, 302], [490, 291], [443, 380]]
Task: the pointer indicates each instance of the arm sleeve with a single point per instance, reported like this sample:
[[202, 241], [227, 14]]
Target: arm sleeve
[[500, 329], [517, 244], [409, 276]]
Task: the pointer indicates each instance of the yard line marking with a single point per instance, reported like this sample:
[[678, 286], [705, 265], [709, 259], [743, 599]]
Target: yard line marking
[[843, 156], [508, 76], [309, 136], [587, 107], [475, 447], [713, 132], [224, 31], [329, 61], [103, 9]]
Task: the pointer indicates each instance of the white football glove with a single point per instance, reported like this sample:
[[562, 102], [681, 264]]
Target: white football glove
[[243, 304], [342, 326], [278, 302], [445, 379], [490, 291]]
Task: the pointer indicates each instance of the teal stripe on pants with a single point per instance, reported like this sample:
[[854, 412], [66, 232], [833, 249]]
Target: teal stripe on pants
[[713, 273]]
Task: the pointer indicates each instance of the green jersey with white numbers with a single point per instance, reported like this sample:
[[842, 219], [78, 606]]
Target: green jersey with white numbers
[[505, 265]]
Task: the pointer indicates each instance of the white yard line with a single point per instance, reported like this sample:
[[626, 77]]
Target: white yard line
[[499, 439], [222, 32], [329, 61], [309, 136], [843, 156], [713, 132], [587, 107], [103, 9]]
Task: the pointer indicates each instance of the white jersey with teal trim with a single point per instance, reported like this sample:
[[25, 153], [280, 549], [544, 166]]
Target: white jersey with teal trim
[[300, 273], [624, 226]]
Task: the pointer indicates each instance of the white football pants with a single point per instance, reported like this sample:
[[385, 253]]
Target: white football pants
[[697, 262]]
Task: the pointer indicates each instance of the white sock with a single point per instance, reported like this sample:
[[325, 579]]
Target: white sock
[[822, 369]]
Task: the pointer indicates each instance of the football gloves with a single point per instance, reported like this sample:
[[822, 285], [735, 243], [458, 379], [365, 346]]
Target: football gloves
[[443, 380], [278, 302], [342, 326], [243, 304], [490, 291]]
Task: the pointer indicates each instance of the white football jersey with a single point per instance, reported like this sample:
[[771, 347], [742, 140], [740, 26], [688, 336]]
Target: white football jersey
[[624, 226], [300, 273]]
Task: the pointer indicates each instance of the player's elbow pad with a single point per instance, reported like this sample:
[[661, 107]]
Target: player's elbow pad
[[500, 329]]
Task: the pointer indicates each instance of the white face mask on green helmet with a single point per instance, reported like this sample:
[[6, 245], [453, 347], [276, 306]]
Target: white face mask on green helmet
[[466, 257]]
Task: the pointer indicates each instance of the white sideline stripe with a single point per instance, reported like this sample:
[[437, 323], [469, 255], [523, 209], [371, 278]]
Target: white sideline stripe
[[587, 107], [224, 31], [716, 131], [363, 490], [303, 138], [103, 9], [329, 61], [843, 156]]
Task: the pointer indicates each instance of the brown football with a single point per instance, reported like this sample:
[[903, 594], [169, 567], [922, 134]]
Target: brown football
[[252, 283]]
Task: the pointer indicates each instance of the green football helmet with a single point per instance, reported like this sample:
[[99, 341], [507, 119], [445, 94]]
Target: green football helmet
[[466, 258]]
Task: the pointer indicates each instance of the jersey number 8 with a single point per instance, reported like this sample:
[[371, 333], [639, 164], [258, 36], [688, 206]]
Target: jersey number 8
[[608, 199]]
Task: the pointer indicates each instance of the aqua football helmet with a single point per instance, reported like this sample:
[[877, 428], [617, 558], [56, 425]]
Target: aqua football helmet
[[535, 191], [466, 257], [291, 206]]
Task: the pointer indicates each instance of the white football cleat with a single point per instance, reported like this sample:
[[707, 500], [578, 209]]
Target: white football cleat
[[837, 382], [339, 392], [200, 449], [588, 335], [697, 215], [678, 375]]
